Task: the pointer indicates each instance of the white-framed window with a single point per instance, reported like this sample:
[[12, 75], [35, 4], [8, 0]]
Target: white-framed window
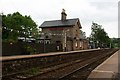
[[47, 42], [76, 44], [81, 43]]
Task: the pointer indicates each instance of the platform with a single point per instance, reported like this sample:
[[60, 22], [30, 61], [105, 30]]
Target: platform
[[2, 58], [108, 70]]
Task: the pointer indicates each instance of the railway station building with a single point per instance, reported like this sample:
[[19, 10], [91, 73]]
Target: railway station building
[[65, 32]]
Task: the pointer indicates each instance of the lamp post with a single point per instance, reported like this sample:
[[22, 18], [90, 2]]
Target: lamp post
[[110, 44], [97, 44]]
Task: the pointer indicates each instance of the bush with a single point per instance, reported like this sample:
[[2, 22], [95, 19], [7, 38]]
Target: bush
[[28, 49]]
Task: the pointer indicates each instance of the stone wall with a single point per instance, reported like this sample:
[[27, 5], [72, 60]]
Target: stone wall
[[10, 49]]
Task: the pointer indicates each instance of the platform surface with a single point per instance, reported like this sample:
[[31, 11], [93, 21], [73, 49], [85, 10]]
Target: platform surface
[[109, 69]]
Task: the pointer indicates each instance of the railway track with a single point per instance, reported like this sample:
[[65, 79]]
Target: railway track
[[82, 72], [48, 70], [66, 70]]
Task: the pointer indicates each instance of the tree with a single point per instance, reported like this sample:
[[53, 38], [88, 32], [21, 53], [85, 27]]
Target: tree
[[115, 42], [16, 25], [99, 36]]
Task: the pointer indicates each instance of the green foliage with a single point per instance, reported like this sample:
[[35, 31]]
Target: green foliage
[[115, 42], [29, 49], [16, 25], [33, 71], [99, 36]]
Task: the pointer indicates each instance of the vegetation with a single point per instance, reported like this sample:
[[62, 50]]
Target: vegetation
[[99, 37], [16, 25], [29, 49], [115, 42]]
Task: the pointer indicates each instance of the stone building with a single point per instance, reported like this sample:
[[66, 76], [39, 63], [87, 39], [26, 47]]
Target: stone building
[[64, 31]]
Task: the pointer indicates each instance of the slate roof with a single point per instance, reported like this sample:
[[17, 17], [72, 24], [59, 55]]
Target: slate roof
[[59, 23]]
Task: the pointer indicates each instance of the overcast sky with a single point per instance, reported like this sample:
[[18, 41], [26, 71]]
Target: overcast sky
[[103, 12]]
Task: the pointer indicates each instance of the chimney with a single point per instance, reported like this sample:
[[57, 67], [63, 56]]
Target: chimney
[[63, 15]]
